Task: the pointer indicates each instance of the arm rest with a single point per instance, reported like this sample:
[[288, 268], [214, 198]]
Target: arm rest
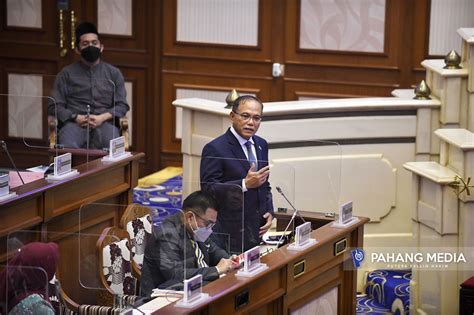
[[52, 126], [124, 131]]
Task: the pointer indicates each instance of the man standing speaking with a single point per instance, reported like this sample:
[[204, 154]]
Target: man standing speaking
[[233, 165]]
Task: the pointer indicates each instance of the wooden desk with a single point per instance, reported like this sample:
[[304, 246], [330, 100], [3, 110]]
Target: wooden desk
[[278, 290], [317, 219], [52, 211]]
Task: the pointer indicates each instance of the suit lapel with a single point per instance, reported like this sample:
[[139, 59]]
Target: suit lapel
[[258, 150], [236, 150]]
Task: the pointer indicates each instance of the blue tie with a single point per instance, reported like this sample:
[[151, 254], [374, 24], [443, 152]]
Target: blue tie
[[252, 158]]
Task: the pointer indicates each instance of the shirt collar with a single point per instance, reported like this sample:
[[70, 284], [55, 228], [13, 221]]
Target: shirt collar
[[241, 139]]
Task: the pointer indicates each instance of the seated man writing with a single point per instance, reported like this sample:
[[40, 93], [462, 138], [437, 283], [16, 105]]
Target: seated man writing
[[88, 95], [182, 240]]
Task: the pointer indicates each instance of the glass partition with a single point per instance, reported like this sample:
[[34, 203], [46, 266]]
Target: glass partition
[[250, 198], [78, 103], [317, 167], [25, 282], [81, 278], [27, 130], [42, 115]]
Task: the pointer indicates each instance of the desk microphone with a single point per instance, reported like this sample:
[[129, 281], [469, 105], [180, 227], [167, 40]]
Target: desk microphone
[[295, 212], [4, 147], [88, 130], [294, 209]]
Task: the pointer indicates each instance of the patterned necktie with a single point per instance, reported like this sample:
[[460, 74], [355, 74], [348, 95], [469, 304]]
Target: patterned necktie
[[199, 255], [252, 158]]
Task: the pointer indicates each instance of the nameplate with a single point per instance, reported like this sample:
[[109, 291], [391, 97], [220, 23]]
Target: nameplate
[[117, 147], [251, 258], [302, 233], [252, 265], [302, 237], [62, 164], [4, 188], [116, 150], [345, 213], [192, 293], [192, 288]]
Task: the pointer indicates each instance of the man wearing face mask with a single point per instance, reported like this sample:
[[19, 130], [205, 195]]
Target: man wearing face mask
[[181, 245], [89, 95]]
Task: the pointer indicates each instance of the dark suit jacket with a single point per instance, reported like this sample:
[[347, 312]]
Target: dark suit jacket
[[224, 162], [165, 258]]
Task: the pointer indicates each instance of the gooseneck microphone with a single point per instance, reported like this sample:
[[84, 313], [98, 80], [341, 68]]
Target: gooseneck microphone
[[294, 209], [88, 131], [3, 144], [295, 212]]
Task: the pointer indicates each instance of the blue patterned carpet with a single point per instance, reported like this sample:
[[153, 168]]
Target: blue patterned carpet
[[366, 305], [164, 199], [387, 292]]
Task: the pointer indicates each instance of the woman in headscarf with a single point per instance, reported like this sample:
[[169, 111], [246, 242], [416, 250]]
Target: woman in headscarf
[[24, 281]]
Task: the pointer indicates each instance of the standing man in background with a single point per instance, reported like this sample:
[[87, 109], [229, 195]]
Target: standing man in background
[[89, 95], [239, 159]]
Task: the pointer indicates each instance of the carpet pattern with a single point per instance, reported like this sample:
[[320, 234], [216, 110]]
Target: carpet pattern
[[164, 199], [387, 292]]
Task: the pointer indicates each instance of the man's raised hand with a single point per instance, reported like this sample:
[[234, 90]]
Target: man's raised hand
[[254, 178]]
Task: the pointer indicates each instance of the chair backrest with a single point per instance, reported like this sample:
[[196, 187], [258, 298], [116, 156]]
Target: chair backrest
[[115, 262], [136, 220]]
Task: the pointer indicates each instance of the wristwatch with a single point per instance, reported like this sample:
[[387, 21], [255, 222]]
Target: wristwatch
[[73, 117]]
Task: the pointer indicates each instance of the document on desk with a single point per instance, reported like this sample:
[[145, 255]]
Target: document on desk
[[160, 301]]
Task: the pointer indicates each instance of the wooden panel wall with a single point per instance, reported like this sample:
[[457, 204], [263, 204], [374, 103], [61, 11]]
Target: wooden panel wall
[[36, 51], [157, 64], [308, 73]]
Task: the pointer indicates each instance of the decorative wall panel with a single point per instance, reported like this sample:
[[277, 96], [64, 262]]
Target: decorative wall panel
[[356, 25], [24, 13], [446, 17], [114, 17], [129, 89], [226, 22], [25, 106], [325, 304], [335, 179]]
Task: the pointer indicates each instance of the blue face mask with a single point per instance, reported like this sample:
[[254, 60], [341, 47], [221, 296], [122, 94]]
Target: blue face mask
[[201, 234]]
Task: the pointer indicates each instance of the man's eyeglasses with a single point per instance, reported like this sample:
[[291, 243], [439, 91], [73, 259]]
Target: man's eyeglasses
[[245, 117], [209, 224]]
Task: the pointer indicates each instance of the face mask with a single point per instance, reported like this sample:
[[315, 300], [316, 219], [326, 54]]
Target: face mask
[[90, 54], [201, 234]]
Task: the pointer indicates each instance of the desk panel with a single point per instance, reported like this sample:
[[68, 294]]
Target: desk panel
[[278, 291], [21, 214], [84, 189], [52, 211]]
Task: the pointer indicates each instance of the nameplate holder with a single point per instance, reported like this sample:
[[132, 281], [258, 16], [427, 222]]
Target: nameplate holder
[[345, 216], [303, 238], [252, 264], [62, 168], [5, 188], [193, 295], [116, 150]]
